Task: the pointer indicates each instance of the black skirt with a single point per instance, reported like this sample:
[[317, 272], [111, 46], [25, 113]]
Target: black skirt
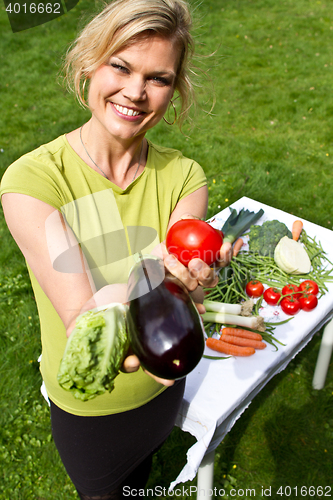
[[99, 453]]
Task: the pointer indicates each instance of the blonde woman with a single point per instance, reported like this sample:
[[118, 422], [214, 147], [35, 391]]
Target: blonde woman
[[88, 186]]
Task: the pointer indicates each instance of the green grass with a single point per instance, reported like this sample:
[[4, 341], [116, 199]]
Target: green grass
[[269, 137]]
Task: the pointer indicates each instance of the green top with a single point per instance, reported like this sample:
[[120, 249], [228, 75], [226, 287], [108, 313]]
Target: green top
[[111, 224]]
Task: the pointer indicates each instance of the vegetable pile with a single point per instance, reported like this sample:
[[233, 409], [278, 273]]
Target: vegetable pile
[[286, 269], [94, 352]]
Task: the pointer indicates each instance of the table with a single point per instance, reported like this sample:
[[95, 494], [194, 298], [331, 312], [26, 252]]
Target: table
[[218, 392]]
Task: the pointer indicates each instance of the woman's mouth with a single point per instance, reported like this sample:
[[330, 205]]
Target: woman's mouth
[[126, 111]]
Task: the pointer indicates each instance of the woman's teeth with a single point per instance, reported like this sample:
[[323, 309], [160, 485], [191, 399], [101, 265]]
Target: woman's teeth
[[126, 111]]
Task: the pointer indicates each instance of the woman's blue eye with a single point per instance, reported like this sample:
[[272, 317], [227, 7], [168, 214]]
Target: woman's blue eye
[[119, 67], [161, 80]]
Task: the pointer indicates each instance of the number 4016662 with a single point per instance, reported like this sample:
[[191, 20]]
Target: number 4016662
[[305, 491], [34, 8]]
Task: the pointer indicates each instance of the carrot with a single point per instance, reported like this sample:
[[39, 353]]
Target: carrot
[[256, 344], [233, 350], [297, 229], [239, 332], [237, 246]]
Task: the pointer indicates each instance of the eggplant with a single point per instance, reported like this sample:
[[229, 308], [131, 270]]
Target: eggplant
[[165, 329]]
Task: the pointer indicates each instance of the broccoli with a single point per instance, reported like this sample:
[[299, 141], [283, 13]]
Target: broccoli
[[263, 239]]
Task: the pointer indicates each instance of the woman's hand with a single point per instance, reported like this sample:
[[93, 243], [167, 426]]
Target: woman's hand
[[225, 255], [132, 364], [196, 273]]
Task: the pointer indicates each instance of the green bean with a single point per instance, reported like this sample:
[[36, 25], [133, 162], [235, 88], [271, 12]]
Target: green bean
[[208, 328], [214, 294], [215, 357]]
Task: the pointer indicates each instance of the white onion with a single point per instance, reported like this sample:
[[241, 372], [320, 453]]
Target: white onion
[[292, 257]]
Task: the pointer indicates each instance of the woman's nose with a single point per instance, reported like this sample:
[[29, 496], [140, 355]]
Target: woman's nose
[[135, 89]]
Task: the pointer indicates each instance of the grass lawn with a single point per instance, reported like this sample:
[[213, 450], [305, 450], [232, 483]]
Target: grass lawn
[[269, 137]]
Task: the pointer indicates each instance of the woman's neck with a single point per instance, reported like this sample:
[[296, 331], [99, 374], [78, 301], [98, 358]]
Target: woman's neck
[[120, 161]]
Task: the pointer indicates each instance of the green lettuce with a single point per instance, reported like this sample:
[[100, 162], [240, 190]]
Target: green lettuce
[[94, 352]]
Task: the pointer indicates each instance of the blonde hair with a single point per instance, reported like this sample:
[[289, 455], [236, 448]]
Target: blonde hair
[[118, 25]]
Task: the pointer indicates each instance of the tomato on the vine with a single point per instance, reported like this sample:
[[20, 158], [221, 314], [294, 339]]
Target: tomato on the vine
[[290, 305], [272, 296], [254, 288], [188, 239], [291, 289], [308, 301], [309, 286]]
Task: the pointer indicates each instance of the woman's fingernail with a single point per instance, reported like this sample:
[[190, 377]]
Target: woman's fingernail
[[198, 266]]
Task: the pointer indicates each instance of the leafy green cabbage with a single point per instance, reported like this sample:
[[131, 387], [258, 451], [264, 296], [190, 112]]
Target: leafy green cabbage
[[94, 352]]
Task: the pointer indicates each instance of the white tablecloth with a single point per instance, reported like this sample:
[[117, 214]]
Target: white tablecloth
[[217, 392]]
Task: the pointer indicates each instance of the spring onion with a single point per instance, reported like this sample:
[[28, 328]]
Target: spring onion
[[244, 309], [252, 322]]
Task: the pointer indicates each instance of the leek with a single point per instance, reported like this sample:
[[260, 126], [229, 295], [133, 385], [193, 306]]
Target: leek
[[238, 223], [252, 322], [243, 309]]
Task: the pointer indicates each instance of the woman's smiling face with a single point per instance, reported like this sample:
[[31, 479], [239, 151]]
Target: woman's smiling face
[[130, 93]]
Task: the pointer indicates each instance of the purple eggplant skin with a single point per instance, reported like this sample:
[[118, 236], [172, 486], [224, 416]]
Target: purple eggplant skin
[[165, 329]]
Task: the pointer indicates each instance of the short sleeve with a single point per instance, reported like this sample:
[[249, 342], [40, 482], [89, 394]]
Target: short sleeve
[[32, 176], [194, 178]]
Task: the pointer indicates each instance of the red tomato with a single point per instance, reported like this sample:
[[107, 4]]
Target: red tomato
[[308, 301], [290, 305], [254, 288], [287, 289], [188, 239], [272, 296], [309, 286]]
